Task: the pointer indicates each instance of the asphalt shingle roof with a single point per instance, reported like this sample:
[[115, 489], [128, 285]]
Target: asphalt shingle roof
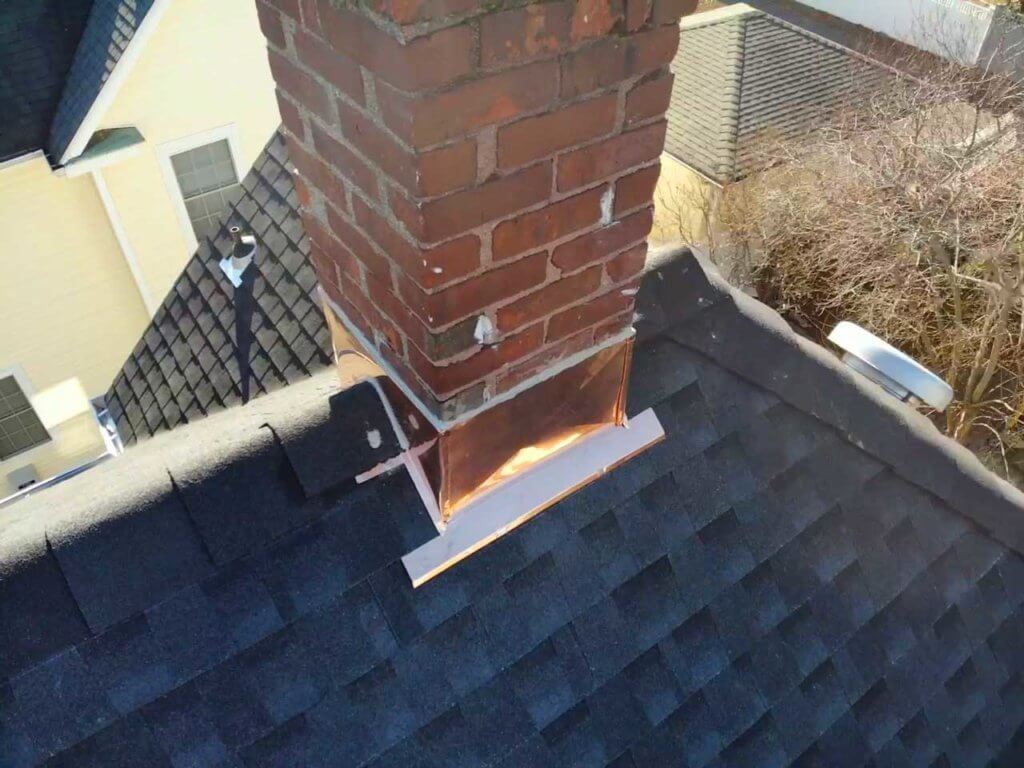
[[803, 573], [743, 77], [111, 26], [211, 345], [37, 45]]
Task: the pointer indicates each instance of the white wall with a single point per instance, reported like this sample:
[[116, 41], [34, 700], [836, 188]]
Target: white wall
[[954, 29]]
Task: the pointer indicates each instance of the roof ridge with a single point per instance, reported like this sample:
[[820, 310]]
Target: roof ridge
[[786, 364]]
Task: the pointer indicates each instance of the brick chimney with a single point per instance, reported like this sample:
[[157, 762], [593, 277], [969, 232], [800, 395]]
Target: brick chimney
[[476, 180]]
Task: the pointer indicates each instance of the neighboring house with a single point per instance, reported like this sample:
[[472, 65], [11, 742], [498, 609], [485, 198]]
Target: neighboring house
[[743, 78], [128, 125], [212, 344], [805, 572]]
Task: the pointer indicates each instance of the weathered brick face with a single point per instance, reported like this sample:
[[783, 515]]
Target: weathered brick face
[[458, 159]]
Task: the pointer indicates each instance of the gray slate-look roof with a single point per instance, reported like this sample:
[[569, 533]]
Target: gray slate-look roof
[[211, 345], [757, 590], [743, 77], [37, 45], [111, 26]]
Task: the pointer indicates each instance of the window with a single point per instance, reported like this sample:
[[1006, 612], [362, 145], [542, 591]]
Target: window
[[208, 182], [20, 428]]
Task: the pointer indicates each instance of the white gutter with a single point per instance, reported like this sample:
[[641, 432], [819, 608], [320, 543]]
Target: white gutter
[[122, 240], [118, 76]]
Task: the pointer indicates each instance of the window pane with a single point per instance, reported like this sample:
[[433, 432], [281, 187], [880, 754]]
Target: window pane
[[20, 428], [204, 168]]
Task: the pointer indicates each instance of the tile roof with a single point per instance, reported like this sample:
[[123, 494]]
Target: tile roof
[[742, 77], [804, 572], [37, 45], [112, 25], [187, 363]]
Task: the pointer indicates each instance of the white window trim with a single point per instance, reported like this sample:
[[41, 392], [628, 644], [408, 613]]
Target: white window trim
[[29, 391], [165, 151]]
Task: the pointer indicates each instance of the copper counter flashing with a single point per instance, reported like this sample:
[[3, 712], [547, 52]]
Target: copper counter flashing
[[508, 462]]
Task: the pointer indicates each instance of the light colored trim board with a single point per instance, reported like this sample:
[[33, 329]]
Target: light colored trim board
[[108, 92], [122, 240], [164, 153], [20, 159], [526, 495]]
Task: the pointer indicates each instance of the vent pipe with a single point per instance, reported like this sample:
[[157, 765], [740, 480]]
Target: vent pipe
[[896, 373]]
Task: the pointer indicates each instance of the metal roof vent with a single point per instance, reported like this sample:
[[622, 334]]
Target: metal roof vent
[[898, 374]]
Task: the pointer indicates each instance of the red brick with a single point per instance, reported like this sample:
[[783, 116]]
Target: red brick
[[636, 189], [590, 313], [385, 299], [360, 247], [637, 13], [339, 256], [653, 49], [302, 192], [611, 156], [312, 170], [303, 88], [374, 320], [610, 61], [311, 16], [545, 359], [470, 296], [344, 161], [427, 62], [457, 258], [290, 116], [649, 99], [595, 18], [627, 264], [537, 228], [410, 11], [549, 299], [597, 245], [600, 65], [670, 11], [425, 120], [271, 24], [326, 270], [446, 169], [422, 174], [524, 34], [334, 67], [613, 327], [537, 137], [460, 212], [446, 379], [287, 7]]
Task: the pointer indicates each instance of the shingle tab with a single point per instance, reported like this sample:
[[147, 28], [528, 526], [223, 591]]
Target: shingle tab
[[756, 591], [211, 345]]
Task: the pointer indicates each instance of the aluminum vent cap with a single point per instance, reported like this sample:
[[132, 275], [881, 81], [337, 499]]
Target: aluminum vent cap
[[897, 373]]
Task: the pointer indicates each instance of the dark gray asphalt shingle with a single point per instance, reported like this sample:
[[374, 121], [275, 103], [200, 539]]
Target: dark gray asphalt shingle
[[111, 26], [37, 46], [210, 345], [744, 77], [755, 590]]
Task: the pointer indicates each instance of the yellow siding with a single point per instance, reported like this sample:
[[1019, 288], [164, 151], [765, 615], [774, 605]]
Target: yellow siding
[[68, 305], [681, 200], [204, 67], [69, 310]]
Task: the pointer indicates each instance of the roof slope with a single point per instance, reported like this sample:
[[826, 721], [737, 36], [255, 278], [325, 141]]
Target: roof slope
[[743, 77], [755, 590], [211, 345], [112, 25], [37, 45]]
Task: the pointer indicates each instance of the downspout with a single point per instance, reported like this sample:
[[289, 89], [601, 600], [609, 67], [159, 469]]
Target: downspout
[[122, 240]]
